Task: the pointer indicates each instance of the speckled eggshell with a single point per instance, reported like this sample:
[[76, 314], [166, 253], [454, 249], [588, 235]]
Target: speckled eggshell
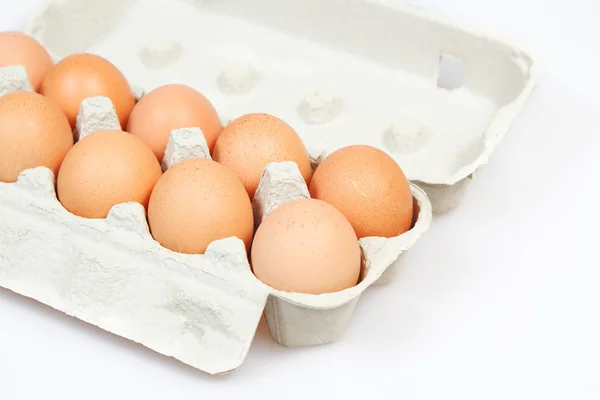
[[252, 141], [172, 107], [306, 246], [196, 202], [104, 169], [79, 76], [33, 133], [368, 187], [19, 49]]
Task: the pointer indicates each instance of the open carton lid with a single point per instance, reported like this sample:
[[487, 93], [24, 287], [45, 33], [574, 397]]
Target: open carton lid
[[436, 95]]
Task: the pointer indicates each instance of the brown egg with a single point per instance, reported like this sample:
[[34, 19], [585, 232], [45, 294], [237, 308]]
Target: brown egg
[[19, 49], [306, 246], [172, 107], [33, 133], [368, 187], [196, 202], [104, 169], [252, 141], [79, 76]]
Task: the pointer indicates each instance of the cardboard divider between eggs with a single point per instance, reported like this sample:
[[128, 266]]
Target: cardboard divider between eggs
[[13, 79], [200, 309]]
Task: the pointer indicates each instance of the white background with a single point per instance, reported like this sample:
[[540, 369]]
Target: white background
[[500, 300]]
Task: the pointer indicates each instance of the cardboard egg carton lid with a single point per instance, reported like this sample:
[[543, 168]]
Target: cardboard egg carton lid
[[436, 95]]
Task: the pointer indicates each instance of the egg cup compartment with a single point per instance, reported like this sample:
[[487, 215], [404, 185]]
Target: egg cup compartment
[[434, 94], [298, 319]]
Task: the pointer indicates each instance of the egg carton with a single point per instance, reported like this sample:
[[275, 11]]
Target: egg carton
[[200, 309], [436, 95]]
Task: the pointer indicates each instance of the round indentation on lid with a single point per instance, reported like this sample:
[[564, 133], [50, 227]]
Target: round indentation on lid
[[406, 135], [160, 53], [319, 107], [238, 78]]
